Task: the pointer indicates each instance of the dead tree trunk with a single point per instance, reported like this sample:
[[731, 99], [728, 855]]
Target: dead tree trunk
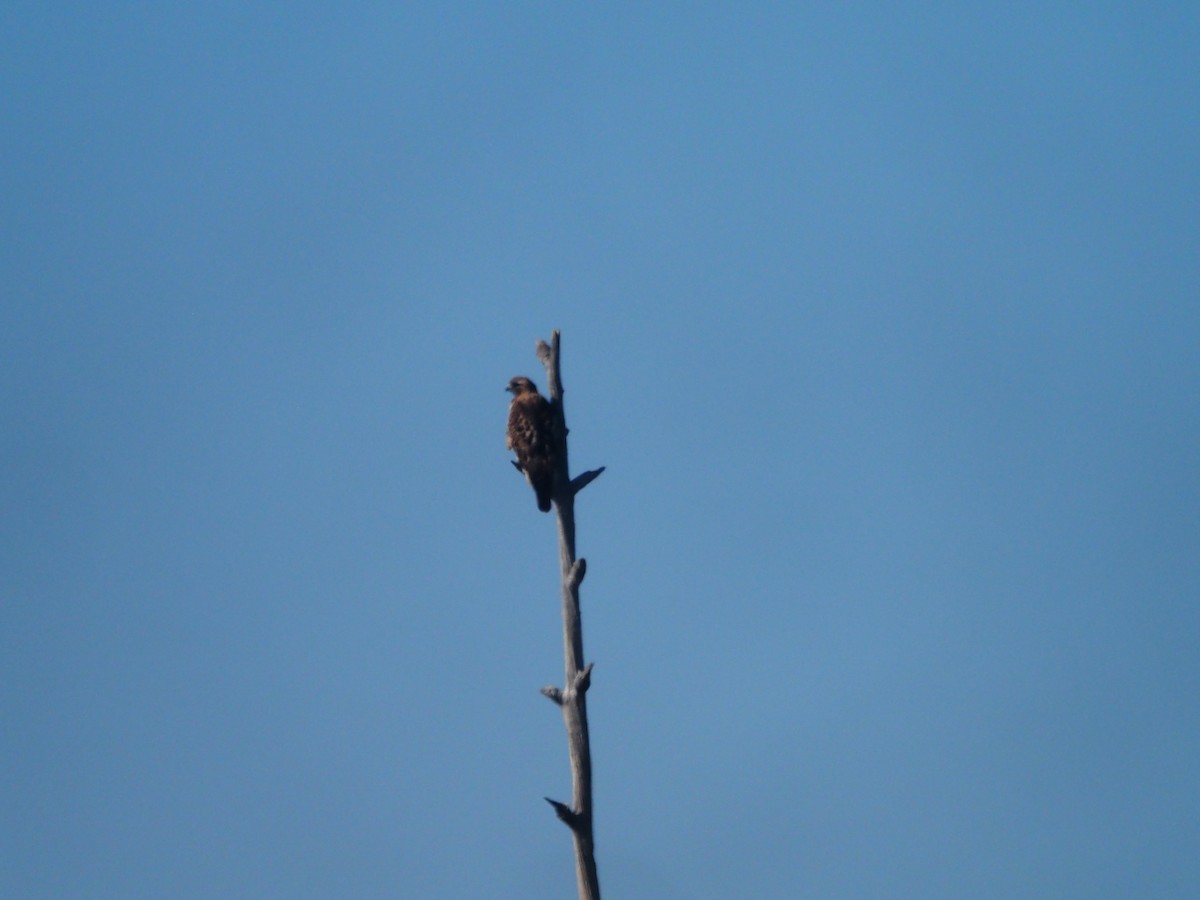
[[572, 697]]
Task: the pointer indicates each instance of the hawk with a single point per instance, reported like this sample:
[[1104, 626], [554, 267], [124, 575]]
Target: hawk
[[531, 435]]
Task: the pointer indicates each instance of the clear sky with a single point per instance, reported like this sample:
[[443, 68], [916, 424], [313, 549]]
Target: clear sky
[[885, 322]]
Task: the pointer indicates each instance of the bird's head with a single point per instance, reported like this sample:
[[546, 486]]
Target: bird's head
[[521, 385]]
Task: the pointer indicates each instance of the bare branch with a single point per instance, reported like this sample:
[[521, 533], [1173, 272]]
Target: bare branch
[[572, 698], [565, 813], [579, 482], [578, 570], [583, 679]]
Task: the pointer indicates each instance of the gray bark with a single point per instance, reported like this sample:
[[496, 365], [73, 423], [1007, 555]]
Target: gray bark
[[572, 697]]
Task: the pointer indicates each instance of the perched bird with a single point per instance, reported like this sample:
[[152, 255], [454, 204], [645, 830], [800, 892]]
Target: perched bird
[[531, 435]]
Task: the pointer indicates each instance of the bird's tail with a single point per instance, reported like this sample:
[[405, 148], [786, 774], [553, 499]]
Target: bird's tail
[[543, 491]]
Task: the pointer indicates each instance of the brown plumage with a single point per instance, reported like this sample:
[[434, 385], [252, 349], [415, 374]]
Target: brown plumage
[[531, 436]]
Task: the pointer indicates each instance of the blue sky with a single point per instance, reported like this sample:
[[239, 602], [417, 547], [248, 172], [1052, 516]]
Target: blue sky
[[883, 320]]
